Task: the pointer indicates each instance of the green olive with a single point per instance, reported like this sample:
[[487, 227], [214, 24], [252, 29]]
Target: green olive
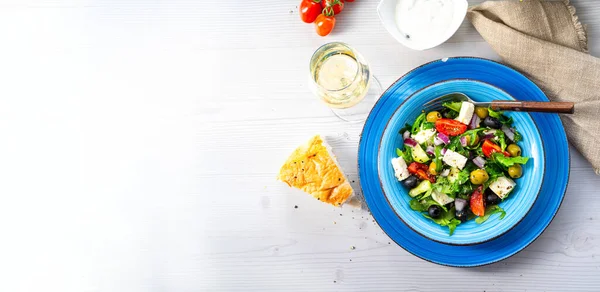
[[433, 116], [479, 176], [514, 150], [481, 112], [515, 171], [472, 143]]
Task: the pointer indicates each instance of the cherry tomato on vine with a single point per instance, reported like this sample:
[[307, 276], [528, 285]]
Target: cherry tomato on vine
[[324, 24], [309, 10], [336, 5]]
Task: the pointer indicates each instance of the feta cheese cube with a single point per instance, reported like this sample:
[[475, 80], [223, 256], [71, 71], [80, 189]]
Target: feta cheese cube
[[502, 186], [466, 112], [424, 135], [400, 168], [441, 198], [454, 159]]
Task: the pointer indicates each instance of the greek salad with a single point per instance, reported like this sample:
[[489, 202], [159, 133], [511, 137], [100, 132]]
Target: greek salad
[[459, 163]]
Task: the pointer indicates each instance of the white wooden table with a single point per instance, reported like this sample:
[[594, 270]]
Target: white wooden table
[[141, 140]]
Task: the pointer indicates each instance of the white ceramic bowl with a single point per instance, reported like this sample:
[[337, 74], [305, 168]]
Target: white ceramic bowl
[[387, 13]]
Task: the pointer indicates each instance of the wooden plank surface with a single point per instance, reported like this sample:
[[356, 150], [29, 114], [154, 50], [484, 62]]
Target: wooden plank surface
[[141, 140]]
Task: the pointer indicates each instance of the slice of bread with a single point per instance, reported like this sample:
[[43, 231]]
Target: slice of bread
[[313, 169]]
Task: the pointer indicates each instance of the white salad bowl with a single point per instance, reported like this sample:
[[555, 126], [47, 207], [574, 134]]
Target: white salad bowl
[[387, 13]]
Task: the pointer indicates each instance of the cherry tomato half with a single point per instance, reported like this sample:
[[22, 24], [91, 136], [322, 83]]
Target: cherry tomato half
[[309, 10], [450, 127], [476, 202], [488, 148], [420, 170]]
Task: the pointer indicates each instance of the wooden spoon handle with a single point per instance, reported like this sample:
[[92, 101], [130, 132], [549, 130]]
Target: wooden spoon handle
[[534, 106]]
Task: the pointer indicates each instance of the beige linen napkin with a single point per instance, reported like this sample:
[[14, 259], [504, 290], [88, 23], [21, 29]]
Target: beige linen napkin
[[546, 41]]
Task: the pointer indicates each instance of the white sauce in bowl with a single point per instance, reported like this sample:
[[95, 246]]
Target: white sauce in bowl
[[425, 21]]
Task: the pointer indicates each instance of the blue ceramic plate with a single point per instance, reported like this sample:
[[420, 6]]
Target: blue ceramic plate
[[518, 202], [556, 158]]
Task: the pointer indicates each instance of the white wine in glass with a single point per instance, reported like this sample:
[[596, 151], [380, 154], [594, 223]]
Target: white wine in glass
[[340, 77]]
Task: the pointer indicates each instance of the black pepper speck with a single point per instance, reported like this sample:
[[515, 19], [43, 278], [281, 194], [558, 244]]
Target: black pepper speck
[[296, 207]]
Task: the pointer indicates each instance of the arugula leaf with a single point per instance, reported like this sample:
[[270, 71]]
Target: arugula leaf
[[501, 138], [406, 154], [427, 125], [453, 105], [450, 114], [455, 146], [466, 189], [494, 114], [509, 161], [423, 205], [472, 136], [517, 137], [417, 125], [407, 127], [479, 152], [452, 225], [491, 210], [473, 131], [494, 171], [464, 185], [417, 205], [502, 118]]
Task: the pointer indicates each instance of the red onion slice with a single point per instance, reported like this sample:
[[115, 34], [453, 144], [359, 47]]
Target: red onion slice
[[410, 142], [488, 137], [479, 161], [490, 131], [443, 151], [463, 141], [437, 141], [475, 120], [444, 138], [460, 204], [508, 132], [430, 150]]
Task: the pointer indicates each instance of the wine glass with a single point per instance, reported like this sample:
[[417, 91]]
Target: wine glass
[[341, 77]]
